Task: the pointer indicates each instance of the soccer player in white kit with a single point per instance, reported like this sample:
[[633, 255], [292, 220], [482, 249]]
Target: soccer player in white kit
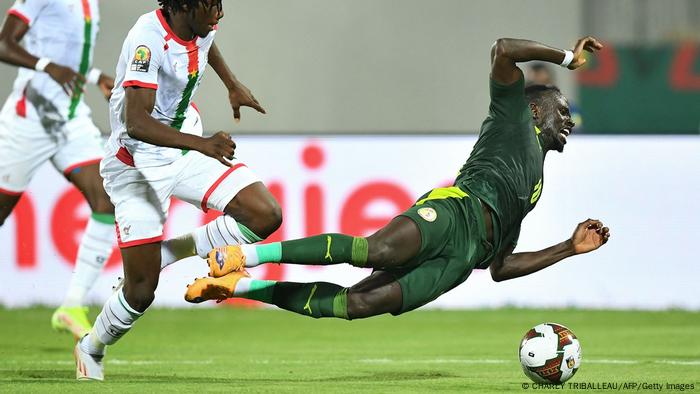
[[151, 158], [45, 118]]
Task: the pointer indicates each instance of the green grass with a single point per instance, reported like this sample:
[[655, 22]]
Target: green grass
[[273, 351]]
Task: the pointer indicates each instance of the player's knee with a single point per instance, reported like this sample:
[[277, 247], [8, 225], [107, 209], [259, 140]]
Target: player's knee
[[268, 220], [361, 304], [99, 201], [379, 253], [140, 294]]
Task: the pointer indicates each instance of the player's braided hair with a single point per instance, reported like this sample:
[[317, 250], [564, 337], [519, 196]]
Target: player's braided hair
[[177, 6], [539, 93]]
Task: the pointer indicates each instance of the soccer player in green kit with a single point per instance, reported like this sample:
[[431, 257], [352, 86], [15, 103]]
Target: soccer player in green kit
[[434, 245]]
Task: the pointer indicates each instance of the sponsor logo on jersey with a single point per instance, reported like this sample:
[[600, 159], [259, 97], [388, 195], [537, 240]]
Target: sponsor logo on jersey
[[428, 214], [142, 59]]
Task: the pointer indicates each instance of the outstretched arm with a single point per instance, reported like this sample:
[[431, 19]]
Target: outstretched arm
[[506, 52], [238, 94], [588, 236]]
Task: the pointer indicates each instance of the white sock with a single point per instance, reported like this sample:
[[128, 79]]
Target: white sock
[[176, 249], [112, 323], [251, 255], [242, 286], [94, 251], [221, 232]]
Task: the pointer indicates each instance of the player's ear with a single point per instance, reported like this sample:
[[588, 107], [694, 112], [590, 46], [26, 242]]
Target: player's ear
[[535, 111]]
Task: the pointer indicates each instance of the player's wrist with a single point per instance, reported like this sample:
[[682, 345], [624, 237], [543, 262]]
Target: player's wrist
[[93, 77], [568, 58], [42, 64]]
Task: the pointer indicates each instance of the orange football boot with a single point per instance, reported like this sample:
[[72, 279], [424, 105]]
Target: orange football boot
[[210, 288], [225, 260]]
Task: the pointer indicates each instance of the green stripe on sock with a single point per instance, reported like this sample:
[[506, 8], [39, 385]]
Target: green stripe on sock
[[105, 218], [269, 253], [248, 234], [261, 290], [340, 304], [359, 251]]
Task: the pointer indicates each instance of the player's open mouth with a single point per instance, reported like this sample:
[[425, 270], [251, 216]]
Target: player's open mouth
[[565, 133]]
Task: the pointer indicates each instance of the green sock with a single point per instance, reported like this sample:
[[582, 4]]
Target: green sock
[[260, 290], [319, 299], [325, 249]]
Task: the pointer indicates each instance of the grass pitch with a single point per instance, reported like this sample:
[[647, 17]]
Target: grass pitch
[[247, 350]]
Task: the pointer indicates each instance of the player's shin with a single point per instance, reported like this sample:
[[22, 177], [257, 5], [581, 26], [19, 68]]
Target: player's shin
[[324, 249], [319, 299], [116, 319], [94, 251], [222, 231]]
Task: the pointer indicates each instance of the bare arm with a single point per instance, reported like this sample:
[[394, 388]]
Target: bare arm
[[507, 52], [142, 126], [238, 94], [588, 236], [11, 52]]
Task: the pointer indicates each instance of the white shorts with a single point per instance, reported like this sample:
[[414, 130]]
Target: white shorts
[[141, 196], [25, 146]]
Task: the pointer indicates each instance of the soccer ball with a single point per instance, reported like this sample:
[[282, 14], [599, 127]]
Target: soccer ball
[[550, 353]]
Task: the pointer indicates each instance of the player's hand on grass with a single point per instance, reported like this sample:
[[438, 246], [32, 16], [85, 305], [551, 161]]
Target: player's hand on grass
[[589, 236], [70, 81], [588, 44], [219, 146], [240, 96], [106, 84]]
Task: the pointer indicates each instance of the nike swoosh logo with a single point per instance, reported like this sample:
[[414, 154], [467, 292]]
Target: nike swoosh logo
[[308, 301]]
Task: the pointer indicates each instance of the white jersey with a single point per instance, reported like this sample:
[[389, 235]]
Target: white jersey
[[65, 32], [153, 57]]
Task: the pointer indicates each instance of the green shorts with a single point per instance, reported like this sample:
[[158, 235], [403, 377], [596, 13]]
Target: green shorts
[[453, 242]]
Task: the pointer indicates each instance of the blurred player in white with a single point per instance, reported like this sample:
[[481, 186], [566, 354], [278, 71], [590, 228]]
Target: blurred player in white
[[151, 157], [45, 118]]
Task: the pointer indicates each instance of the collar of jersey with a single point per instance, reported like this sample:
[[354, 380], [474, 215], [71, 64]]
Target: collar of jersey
[[171, 33]]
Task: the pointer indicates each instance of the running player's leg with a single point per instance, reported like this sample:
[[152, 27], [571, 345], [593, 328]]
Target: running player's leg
[[141, 198], [251, 213], [78, 160], [375, 295]]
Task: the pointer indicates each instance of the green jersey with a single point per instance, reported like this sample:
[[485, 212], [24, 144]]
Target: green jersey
[[505, 167]]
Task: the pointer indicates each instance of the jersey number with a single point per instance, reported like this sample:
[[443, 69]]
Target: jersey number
[[537, 191]]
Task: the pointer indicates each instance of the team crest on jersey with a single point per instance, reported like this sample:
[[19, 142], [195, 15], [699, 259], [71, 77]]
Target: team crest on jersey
[[142, 59], [429, 214]]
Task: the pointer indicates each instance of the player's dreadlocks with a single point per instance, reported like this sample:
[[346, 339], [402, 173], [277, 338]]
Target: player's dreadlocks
[[539, 93], [177, 6]]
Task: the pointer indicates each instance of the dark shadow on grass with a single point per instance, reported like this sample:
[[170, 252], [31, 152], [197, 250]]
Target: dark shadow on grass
[[67, 376]]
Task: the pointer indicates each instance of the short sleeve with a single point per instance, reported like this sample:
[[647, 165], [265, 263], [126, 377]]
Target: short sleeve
[[27, 10], [513, 237], [144, 55], [508, 101]]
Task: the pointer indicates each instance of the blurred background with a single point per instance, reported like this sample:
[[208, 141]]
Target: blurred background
[[373, 102]]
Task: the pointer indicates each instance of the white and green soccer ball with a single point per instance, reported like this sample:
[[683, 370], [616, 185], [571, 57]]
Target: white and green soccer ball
[[550, 353]]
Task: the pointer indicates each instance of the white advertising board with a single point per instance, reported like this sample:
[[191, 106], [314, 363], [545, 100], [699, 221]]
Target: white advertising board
[[645, 188]]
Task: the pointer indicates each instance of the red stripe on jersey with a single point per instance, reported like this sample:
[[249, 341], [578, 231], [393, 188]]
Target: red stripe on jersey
[[216, 184], [125, 157], [139, 242], [21, 107], [170, 32], [140, 84], [18, 14], [195, 107]]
